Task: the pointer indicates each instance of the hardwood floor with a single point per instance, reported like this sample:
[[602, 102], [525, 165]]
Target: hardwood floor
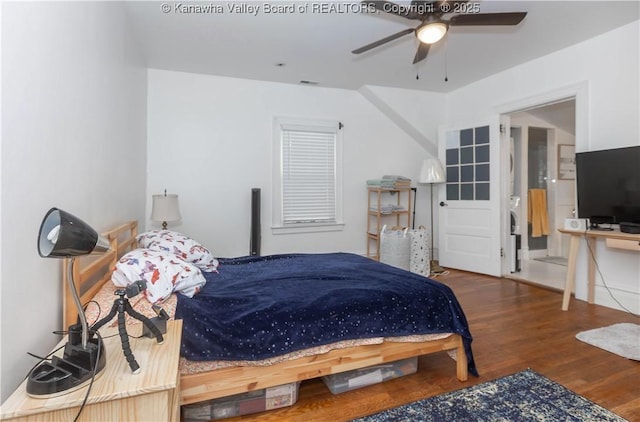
[[515, 326]]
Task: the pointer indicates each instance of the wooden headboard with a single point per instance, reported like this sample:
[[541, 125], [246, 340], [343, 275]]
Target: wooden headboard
[[92, 271]]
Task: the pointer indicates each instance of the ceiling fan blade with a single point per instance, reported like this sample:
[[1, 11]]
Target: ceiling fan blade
[[507, 18], [393, 8], [383, 41], [421, 53]]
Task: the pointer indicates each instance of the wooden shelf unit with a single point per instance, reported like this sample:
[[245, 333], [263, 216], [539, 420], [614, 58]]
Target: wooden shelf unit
[[376, 220]]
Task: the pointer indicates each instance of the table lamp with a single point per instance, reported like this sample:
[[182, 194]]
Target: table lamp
[[165, 208], [63, 235], [432, 172]]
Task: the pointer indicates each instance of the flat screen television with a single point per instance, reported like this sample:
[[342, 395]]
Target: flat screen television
[[608, 185]]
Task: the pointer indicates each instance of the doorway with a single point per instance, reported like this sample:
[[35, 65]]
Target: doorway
[[536, 134]]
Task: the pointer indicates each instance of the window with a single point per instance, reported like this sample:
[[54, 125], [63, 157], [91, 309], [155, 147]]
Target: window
[[307, 176], [467, 162]]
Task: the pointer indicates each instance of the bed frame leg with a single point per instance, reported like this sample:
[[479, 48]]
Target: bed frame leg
[[462, 370]]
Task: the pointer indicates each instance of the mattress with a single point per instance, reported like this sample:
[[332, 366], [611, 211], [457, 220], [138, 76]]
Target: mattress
[[261, 275], [103, 301]]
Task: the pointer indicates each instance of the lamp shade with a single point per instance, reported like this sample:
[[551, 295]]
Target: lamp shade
[[64, 235], [432, 171], [165, 208]]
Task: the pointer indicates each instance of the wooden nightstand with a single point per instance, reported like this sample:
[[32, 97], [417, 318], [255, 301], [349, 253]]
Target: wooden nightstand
[[117, 394]]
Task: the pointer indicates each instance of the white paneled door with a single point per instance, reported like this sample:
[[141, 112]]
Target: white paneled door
[[469, 202]]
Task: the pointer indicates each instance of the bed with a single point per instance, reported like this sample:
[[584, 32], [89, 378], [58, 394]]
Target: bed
[[205, 379]]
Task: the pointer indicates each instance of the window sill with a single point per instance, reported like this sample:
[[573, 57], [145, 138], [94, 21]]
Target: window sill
[[307, 228]]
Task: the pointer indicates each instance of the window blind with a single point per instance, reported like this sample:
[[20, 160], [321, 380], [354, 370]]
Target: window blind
[[308, 175]]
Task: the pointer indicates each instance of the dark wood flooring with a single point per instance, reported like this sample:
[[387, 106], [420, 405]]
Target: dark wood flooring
[[515, 326]]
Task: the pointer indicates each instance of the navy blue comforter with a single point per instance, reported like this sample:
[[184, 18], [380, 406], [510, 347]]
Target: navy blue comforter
[[260, 307]]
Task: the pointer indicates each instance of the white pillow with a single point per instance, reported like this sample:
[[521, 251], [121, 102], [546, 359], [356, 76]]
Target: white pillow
[[180, 245], [163, 272]]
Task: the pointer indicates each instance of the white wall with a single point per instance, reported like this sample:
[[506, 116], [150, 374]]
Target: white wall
[[73, 136], [609, 63], [418, 113], [610, 66], [424, 110], [210, 141]]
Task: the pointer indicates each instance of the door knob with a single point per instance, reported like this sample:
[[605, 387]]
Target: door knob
[[443, 204]]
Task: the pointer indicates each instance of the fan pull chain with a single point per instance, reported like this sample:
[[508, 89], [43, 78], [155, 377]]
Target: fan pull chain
[[446, 57]]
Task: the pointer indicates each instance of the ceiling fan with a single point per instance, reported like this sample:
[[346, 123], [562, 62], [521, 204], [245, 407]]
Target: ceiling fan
[[433, 25]]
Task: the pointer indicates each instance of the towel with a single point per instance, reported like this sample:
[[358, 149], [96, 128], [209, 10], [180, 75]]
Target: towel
[[537, 214], [385, 183]]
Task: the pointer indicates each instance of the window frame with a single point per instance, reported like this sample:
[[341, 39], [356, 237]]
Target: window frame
[[281, 124]]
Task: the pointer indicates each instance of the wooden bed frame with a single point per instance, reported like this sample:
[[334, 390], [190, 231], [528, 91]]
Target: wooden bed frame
[[90, 274]]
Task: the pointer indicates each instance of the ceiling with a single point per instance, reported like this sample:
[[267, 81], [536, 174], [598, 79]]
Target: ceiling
[[560, 114], [316, 46]]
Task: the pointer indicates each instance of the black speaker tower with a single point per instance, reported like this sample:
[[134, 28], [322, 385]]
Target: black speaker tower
[[254, 241]]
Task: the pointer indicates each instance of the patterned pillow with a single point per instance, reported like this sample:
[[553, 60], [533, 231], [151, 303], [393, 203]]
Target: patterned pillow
[[163, 272], [180, 245]]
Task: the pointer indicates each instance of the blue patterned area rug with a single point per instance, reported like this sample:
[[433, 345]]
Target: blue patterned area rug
[[524, 396]]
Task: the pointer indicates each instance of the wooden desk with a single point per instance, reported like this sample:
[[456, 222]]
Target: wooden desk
[[614, 239], [117, 394]]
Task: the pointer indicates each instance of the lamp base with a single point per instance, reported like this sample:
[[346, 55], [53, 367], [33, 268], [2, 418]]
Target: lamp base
[[435, 267], [71, 371]]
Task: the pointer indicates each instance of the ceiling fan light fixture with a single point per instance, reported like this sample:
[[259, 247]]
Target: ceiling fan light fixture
[[432, 32]]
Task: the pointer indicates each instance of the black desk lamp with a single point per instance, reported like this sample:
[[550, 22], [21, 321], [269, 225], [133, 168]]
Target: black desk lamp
[[63, 235]]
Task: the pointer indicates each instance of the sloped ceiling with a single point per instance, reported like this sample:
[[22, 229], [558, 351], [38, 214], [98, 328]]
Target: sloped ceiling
[[561, 115], [313, 40]]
